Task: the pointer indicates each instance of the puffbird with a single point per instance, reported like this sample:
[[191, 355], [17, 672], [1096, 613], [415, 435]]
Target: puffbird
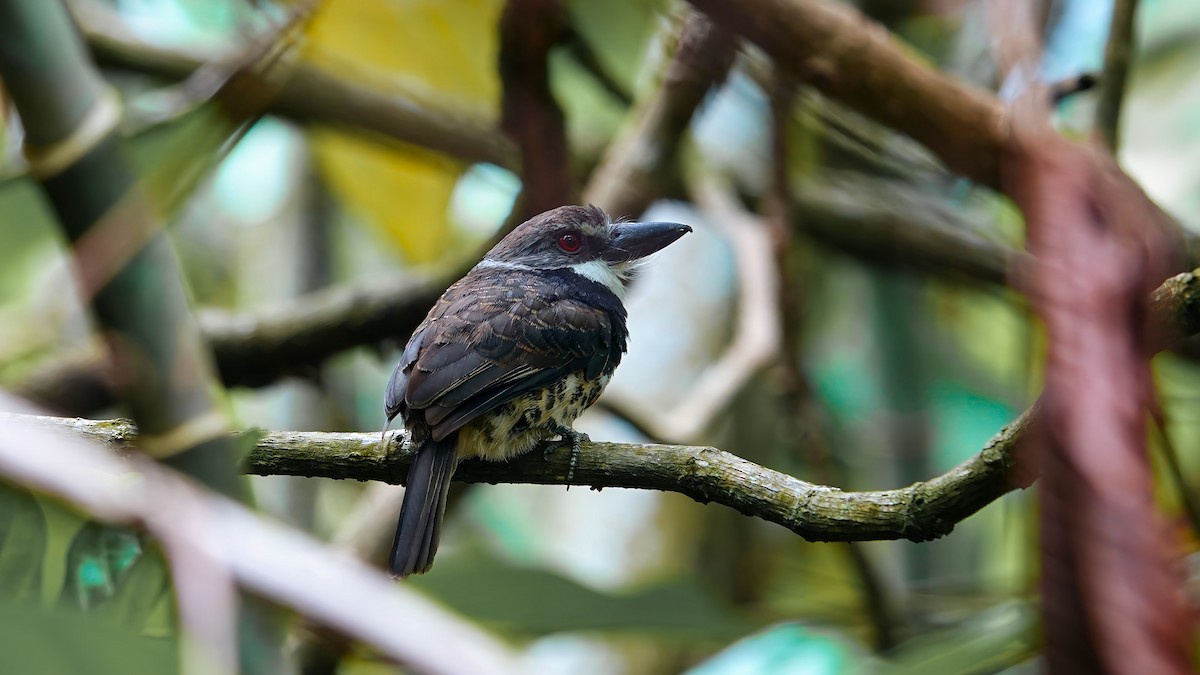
[[511, 354]]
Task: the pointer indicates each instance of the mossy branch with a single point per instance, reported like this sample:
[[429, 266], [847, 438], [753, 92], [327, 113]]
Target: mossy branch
[[919, 512]]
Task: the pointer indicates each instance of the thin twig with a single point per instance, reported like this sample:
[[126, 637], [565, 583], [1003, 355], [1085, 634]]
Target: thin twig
[[578, 46], [805, 411], [1118, 54], [849, 58], [1069, 86], [1170, 455], [242, 87], [879, 150], [756, 336]]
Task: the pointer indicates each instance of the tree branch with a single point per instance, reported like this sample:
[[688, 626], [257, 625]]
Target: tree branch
[[637, 163], [256, 349], [130, 279], [919, 512], [529, 29], [313, 94], [198, 527], [850, 58], [1112, 596], [895, 226]]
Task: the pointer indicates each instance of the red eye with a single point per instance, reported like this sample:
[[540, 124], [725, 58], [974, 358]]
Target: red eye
[[570, 242]]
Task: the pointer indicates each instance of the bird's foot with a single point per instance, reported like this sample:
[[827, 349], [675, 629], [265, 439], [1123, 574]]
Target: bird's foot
[[576, 439]]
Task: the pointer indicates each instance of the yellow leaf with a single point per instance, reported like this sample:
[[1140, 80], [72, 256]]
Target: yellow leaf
[[448, 48], [402, 193]]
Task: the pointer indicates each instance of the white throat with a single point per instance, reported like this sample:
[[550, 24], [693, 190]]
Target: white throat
[[603, 274], [596, 270]]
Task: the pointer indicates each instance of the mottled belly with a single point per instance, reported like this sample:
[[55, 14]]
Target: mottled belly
[[515, 427]]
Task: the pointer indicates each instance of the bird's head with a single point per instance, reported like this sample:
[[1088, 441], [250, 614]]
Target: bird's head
[[585, 240]]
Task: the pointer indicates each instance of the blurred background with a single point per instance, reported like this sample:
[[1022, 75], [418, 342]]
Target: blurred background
[[878, 347]]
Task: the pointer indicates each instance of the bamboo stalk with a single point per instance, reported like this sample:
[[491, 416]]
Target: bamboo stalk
[[125, 266]]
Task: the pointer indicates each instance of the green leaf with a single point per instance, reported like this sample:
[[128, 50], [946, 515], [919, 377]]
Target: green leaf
[[538, 601], [38, 640], [987, 642], [113, 571], [143, 588], [22, 545], [99, 560]]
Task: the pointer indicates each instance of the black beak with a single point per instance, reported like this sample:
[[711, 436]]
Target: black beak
[[631, 241]]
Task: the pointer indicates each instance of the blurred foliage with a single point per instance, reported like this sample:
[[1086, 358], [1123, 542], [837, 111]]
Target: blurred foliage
[[109, 568], [41, 640], [445, 49], [444, 53], [789, 648], [990, 641], [527, 601], [685, 582], [403, 195], [98, 562], [22, 546], [76, 596]]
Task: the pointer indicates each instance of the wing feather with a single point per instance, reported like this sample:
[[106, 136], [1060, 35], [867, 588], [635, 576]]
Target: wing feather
[[477, 351]]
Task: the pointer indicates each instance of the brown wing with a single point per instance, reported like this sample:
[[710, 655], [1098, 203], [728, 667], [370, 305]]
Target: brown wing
[[494, 337]]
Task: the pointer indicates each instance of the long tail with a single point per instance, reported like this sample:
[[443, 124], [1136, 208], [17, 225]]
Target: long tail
[[423, 507]]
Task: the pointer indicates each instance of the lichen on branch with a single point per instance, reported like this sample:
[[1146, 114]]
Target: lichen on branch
[[919, 512]]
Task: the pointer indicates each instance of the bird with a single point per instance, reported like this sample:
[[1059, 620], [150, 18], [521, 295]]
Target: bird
[[511, 354]]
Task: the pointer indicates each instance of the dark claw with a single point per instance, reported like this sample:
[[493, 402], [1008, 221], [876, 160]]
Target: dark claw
[[576, 439]]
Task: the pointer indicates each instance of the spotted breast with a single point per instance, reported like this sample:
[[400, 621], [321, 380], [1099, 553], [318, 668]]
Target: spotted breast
[[518, 425]]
